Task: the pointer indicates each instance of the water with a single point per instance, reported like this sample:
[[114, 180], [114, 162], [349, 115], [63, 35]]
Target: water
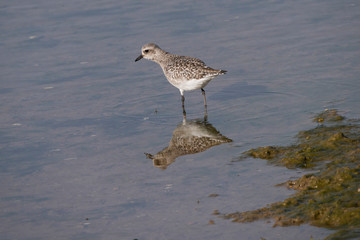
[[78, 114]]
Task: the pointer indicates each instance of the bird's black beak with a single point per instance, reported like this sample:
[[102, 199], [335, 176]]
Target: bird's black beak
[[138, 58]]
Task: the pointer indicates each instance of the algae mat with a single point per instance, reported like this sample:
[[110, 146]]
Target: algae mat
[[328, 198]]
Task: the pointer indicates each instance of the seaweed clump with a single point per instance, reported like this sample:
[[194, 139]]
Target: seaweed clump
[[315, 146], [328, 198]]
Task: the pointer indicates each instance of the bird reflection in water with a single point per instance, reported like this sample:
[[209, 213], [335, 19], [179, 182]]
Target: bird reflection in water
[[189, 137]]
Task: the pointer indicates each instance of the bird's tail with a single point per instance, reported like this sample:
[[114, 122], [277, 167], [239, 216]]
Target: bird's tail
[[222, 72]]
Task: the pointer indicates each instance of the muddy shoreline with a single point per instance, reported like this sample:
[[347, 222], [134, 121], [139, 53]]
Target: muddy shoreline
[[328, 198]]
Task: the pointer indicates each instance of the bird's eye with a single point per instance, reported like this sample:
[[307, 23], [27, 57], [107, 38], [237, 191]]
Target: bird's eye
[[146, 51]]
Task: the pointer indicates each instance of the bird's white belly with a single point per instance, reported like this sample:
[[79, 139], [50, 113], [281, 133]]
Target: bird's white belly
[[192, 84]]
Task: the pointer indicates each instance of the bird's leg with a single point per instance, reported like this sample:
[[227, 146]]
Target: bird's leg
[[205, 105], [183, 105], [203, 93]]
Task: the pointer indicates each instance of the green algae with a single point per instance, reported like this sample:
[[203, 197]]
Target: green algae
[[323, 143], [330, 197], [329, 115]]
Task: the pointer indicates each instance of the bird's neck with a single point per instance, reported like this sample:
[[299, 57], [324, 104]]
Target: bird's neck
[[162, 57]]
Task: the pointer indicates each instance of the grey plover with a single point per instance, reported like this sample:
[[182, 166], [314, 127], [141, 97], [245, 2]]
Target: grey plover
[[185, 73]]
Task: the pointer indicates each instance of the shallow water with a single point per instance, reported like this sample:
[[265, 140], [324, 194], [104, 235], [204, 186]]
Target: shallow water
[[78, 114]]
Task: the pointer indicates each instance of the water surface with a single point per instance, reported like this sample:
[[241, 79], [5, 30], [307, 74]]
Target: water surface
[[78, 114]]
